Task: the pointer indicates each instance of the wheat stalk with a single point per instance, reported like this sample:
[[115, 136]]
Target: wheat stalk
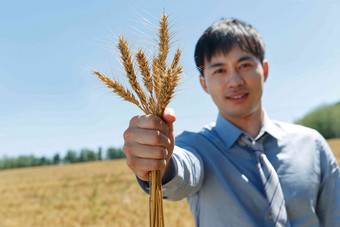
[[160, 81]]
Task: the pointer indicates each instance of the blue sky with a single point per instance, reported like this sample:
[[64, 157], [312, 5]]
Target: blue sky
[[50, 102]]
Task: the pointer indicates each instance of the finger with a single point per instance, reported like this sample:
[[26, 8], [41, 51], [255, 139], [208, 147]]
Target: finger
[[144, 151], [150, 137], [142, 167], [143, 175], [149, 122], [150, 164]]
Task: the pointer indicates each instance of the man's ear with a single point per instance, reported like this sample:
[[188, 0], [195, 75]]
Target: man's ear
[[203, 84], [265, 67]]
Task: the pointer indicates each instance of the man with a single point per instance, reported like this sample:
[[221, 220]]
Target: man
[[245, 169]]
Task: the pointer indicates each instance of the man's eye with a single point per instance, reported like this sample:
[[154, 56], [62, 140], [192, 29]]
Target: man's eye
[[218, 71], [245, 66]]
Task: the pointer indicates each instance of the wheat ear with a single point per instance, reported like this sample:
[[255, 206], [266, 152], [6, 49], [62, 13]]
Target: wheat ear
[[118, 89], [143, 65], [169, 84], [155, 77], [163, 42], [159, 63], [130, 72]]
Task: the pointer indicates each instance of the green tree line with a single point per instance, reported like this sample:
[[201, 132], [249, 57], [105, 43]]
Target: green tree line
[[325, 119], [71, 156]]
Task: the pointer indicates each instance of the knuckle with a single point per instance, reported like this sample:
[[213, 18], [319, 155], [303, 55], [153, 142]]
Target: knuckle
[[143, 176], [159, 164], [166, 153], [127, 134], [153, 121], [127, 149], [130, 163], [159, 153], [169, 143], [162, 164], [156, 136], [134, 120], [169, 153]]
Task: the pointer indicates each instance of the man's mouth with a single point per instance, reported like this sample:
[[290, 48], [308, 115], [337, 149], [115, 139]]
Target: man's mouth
[[237, 96]]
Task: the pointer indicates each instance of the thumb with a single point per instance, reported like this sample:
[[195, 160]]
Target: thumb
[[169, 116]]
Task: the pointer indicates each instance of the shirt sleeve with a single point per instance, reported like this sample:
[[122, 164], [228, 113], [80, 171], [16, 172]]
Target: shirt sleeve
[[328, 205], [188, 176]]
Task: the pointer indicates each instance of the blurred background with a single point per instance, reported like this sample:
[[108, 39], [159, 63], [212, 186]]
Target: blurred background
[[51, 103]]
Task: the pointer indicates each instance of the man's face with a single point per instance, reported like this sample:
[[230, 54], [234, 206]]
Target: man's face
[[235, 81]]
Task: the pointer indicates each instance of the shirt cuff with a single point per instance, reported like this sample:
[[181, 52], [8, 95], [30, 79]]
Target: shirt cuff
[[171, 186], [144, 185], [173, 182]]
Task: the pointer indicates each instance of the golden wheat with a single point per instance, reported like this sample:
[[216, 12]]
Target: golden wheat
[[89, 194], [155, 76], [118, 89], [161, 84], [130, 72], [84, 194], [144, 70], [163, 43]]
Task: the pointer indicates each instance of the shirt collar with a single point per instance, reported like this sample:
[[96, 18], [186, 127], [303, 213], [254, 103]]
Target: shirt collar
[[229, 133], [270, 127], [226, 131]]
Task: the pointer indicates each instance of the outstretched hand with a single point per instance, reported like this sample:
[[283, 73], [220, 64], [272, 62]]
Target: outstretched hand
[[149, 143]]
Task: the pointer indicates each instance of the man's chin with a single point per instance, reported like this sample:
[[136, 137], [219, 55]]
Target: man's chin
[[235, 114]]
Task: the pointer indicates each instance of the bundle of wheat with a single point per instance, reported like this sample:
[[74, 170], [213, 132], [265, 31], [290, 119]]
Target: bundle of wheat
[[160, 80]]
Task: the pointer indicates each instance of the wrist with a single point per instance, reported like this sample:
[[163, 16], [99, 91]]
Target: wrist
[[170, 171]]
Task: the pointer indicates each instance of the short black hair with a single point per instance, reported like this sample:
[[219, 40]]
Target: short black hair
[[223, 35]]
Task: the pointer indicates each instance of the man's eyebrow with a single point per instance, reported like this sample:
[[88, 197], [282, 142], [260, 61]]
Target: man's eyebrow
[[245, 58], [217, 64]]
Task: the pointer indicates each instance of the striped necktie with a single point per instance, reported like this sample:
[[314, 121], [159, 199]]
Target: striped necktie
[[270, 181]]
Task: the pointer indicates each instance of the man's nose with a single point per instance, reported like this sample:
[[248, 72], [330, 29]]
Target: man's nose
[[235, 80]]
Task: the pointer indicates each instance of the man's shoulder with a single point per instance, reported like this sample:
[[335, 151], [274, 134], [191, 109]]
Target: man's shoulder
[[293, 130]]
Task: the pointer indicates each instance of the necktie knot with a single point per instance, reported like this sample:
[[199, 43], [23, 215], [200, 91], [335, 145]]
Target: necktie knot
[[256, 146]]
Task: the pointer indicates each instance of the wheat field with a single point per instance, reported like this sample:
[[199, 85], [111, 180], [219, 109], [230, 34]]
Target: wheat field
[[88, 194]]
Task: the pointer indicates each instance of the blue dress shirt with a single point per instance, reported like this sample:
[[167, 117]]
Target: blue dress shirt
[[221, 182]]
